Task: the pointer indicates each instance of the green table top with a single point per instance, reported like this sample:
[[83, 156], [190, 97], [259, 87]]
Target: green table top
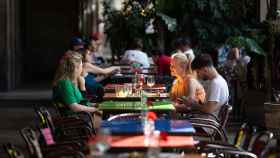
[[135, 105]]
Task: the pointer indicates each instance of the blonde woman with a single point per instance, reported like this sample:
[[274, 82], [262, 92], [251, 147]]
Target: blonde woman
[[185, 84], [66, 84]]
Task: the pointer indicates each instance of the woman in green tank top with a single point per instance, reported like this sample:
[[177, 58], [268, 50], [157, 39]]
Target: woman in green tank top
[[67, 85]]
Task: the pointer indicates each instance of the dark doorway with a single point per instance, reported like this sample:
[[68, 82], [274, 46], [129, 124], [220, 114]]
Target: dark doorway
[[47, 27]]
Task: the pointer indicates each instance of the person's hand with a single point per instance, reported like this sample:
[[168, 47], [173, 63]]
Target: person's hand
[[179, 101], [98, 112], [181, 107], [116, 70], [187, 101], [95, 110], [94, 105]]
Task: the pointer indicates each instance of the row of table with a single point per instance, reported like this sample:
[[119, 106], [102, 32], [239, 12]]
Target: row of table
[[127, 135]]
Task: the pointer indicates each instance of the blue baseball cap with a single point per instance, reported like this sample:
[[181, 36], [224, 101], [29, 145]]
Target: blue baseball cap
[[77, 41]]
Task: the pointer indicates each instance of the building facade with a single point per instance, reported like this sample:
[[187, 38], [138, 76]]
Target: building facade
[[34, 34]]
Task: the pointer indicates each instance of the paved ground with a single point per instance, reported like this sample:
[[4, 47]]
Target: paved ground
[[17, 111], [12, 120]]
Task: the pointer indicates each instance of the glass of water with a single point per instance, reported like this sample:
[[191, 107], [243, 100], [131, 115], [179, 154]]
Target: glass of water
[[150, 81], [128, 88], [103, 142]]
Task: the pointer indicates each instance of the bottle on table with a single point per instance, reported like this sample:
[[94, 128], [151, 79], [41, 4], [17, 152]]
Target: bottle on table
[[154, 146]]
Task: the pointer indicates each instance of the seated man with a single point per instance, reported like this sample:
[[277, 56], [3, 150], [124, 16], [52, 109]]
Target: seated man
[[217, 92], [136, 55], [162, 62]]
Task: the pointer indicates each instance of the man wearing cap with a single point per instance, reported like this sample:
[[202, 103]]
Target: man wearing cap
[[77, 43]]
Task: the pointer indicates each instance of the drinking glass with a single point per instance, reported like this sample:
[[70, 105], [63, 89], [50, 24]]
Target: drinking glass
[[140, 79], [119, 91], [103, 141], [128, 88], [150, 81]]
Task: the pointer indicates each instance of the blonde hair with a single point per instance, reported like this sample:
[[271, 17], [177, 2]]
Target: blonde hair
[[183, 61], [67, 66]]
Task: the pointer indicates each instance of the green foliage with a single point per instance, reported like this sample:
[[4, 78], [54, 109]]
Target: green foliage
[[130, 22], [208, 22], [122, 26], [250, 45], [169, 22]]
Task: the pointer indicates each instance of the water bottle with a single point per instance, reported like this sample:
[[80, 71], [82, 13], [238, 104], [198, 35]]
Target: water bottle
[[149, 127], [154, 147], [103, 141]]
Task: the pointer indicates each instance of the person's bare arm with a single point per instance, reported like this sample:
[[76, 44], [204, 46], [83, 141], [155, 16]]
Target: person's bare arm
[[191, 98], [78, 108], [208, 107], [192, 89], [97, 70]]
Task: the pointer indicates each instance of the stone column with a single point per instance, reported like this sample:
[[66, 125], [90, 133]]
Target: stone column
[[89, 16], [9, 44]]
